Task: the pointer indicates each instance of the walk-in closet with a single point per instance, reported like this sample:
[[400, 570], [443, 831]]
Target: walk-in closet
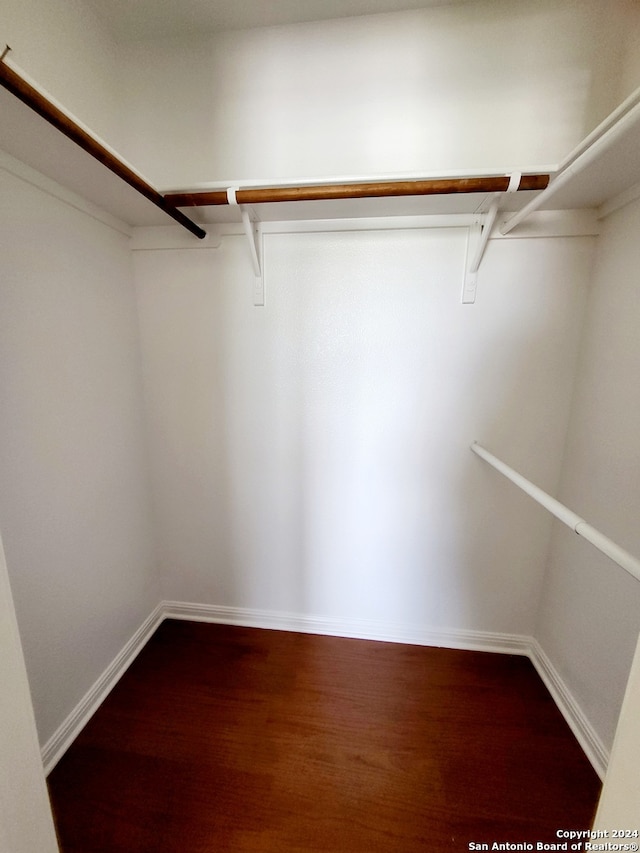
[[319, 414]]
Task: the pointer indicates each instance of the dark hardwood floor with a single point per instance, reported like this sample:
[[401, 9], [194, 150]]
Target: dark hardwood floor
[[233, 739]]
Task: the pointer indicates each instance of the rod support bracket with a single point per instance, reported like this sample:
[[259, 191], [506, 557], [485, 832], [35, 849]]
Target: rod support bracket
[[479, 234], [254, 240], [470, 278]]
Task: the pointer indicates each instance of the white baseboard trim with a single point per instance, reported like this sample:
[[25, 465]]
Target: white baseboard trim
[[63, 737], [584, 732], [486, 641], [362, 629]]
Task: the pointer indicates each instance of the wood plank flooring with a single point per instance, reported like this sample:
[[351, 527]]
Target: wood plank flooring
[[221, 738]]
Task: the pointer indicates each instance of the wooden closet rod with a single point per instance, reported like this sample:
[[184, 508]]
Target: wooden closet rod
[[30, 96], [371, 190]]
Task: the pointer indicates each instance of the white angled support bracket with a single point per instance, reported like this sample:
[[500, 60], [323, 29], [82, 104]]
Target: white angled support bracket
[[479, 234], [470, 278], [253, 239]]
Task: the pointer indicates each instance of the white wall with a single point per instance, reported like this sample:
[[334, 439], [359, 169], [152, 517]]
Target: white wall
[[25, 815], [312, 456], [485, 85], [285, 476], [74, 501], [590, 613], [619, 804], [63, 47], [630, 77]]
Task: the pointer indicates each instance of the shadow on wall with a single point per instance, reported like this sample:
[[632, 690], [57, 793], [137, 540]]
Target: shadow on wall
[[375, 94], [330, 461]]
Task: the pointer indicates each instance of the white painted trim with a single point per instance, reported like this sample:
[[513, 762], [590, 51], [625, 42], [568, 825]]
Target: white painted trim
[[548, 223], [577, 721], [362, 629], [369, 223], [620, 800], [621, 200], [26, 822], [63, 737], [486, 641], [554, 223], [47, 185], [148, 238]]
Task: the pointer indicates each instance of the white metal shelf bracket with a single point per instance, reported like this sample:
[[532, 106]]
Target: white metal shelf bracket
[[253, 236], [470, 278], [479, 235]]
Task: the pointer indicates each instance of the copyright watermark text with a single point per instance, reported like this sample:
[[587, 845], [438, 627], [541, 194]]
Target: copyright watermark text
[[605, 840]]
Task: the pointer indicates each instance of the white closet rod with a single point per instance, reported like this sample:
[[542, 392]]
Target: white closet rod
[[566, 516], [607, 123], [614, 126]]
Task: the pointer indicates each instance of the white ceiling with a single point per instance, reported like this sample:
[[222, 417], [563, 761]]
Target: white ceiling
[[141, 19]]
